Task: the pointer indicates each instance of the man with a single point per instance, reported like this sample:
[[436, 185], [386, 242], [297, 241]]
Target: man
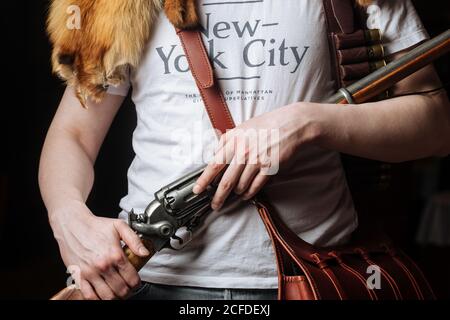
[[267, 57]]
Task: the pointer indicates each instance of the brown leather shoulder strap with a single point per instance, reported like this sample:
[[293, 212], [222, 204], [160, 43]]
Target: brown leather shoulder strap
[[340, 18], [340, 15], [201, 69]]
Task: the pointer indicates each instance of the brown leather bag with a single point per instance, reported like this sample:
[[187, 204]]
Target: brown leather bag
[[307, 272]]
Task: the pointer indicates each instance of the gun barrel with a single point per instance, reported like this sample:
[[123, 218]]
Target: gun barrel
[[384, 78]]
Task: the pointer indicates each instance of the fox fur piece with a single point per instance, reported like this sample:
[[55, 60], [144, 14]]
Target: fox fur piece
[[111, 37]]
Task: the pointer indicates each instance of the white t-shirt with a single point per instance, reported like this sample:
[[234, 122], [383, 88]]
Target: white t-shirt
[[266, 54]]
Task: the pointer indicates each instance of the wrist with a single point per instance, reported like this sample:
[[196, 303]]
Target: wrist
[[66, 211], [309, 121]]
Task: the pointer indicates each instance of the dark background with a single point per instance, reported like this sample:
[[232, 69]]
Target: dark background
[[30, 264]]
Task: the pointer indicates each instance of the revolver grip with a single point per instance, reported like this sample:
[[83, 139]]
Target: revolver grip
[[72, 293], [137, 261]]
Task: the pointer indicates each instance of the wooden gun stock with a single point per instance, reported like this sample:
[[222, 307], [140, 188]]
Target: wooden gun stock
[[72, 293]]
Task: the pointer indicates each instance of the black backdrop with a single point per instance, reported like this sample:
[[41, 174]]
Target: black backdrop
[[30, 264], [30, 97]]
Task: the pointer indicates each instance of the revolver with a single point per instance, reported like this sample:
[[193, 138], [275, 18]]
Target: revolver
[[170, 220], [175, 208]]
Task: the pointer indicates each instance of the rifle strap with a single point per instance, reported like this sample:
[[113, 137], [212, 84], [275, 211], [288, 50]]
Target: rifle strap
[[355, 51], [339, 19]]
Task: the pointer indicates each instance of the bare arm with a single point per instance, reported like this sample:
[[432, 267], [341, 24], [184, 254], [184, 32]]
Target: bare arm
[[395, 130], [90, 244], [70, 150]]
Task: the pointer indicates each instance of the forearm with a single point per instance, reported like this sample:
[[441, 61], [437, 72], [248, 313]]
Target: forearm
[[66, 171], [394, 130]]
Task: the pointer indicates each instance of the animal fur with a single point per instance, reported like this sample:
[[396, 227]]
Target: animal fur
[[112, 36]]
